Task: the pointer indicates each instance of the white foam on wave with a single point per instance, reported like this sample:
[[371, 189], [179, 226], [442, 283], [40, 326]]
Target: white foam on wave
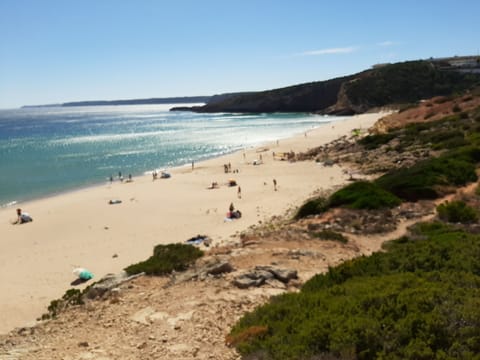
[[108, 137], [11, 203]]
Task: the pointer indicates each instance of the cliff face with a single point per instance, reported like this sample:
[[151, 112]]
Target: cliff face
[[308, 97], [388, 85]]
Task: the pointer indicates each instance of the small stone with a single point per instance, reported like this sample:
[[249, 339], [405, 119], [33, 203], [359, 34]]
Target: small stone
[[83, 344], [142, 345]]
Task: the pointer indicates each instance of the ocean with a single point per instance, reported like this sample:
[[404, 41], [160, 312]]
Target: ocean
[[49, 150]]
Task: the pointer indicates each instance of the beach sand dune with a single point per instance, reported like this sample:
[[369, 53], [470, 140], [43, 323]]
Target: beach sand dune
[[81, 228]]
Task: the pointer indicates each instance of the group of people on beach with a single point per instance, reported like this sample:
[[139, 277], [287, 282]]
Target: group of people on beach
[[120, 177]]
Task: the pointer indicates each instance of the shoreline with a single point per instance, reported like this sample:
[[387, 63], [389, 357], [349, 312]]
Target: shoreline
[[9, 204], [80, 229]]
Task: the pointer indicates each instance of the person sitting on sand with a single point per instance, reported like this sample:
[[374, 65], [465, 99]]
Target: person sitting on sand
[[22, 217], [214, 185], [232, 213]]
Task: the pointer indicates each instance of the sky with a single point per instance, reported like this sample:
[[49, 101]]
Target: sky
[[59, 51]]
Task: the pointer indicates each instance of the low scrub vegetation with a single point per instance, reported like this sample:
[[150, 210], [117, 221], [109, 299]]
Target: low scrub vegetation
[[370, 142], [165, 259], [363, 195], [457, 212], [72, 297], [406, 82], [330, 235], [431, 178], [358, 195], [418, 300], [312, 207]]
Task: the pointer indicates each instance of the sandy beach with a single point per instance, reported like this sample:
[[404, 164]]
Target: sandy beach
[[81, 228]]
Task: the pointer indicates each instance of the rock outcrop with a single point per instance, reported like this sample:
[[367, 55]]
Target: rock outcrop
[[263, 274]]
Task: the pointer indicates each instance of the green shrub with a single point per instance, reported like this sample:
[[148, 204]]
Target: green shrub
[[425, 179], [330, 235], [387, 316], [312, 207], [418, 300], [469, 154], [370, 142], [457, 212], [363, 195], [451, 143], [165, 259], [443, 135], [72, 297], [434, 246]]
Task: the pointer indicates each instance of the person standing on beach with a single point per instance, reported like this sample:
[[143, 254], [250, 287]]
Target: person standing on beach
[[239, 192], [275, 184], [193, 164]]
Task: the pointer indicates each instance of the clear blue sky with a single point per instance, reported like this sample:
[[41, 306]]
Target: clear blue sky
[[58, 51]]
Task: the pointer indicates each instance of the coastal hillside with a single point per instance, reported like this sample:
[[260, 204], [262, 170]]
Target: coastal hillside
[[309, 97], [319, 276], [416, 299], [388, 85]]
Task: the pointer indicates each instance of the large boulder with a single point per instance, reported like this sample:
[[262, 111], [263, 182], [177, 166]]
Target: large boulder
[[284, 275]]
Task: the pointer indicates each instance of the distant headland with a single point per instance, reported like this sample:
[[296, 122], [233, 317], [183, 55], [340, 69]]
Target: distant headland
[[150, 101]]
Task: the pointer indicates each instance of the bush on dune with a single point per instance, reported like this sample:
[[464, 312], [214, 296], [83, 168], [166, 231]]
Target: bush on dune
[[363, 195], [358, 195], [312, 207], [425, 179], [418, 300], [457, 212], [371, 142], [165, 259], [398, 316]]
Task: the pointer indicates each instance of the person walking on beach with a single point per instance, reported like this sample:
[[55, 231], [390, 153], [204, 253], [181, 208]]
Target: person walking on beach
[[274, 184], [239, 192]]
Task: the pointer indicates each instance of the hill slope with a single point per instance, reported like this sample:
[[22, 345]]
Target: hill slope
[[392, 84]]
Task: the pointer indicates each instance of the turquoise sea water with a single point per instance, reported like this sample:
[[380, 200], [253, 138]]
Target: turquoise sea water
[[44, 151]]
